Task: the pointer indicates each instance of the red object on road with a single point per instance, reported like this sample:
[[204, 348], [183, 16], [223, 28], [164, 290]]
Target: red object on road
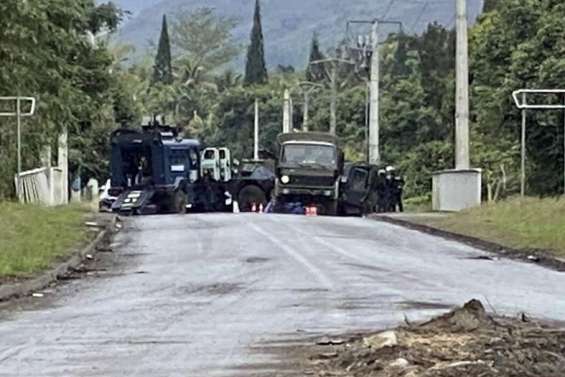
[[311, 211]]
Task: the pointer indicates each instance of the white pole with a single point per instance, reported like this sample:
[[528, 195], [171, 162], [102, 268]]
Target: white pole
[[462, 161], [333, 100], [523, 151], [564, 146], [374, 151], [63, 164], [19, 141], [306, 119], [286, 112], [256, 132]]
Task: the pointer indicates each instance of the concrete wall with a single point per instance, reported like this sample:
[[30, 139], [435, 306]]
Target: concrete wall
[[456, 190]]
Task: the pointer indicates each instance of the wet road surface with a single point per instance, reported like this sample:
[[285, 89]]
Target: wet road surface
[[200, 294]]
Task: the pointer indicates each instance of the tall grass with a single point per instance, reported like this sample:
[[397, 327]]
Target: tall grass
[[529, 223], [32, 238]]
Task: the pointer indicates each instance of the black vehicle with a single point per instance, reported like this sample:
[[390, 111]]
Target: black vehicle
[[360, 189], [308, 171], [253, 184], [153, 171]]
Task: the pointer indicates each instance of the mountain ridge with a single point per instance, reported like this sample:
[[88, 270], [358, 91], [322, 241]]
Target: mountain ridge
[[288, 26]]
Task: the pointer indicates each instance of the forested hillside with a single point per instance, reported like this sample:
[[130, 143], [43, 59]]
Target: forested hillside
[[289, 24]]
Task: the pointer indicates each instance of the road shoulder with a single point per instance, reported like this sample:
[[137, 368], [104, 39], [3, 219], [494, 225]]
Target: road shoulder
[[427, 223], [104, 226]]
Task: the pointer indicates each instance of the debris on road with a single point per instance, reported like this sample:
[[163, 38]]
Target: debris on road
[[464, 342]]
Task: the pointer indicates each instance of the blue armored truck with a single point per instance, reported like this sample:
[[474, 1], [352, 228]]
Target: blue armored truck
[[153, 170]]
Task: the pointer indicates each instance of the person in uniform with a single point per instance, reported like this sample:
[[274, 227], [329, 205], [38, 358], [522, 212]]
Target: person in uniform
[[380, 186], [398, 193]]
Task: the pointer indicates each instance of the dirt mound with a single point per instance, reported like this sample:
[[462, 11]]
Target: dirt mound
[[470, 317], [465, 342]]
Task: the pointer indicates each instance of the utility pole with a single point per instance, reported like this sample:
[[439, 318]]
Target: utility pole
[[374, 130], [368, 46], [462, 160], [256, 132], [287, 116]]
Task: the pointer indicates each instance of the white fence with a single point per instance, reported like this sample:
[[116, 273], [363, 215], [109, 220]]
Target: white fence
[[41, 186]]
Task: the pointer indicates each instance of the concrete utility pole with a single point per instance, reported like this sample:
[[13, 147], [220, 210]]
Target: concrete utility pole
[[374, 131], [256, 132], [462, 160], [369, 46], [287, 115]]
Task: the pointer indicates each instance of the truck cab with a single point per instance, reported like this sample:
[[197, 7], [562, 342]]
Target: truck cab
[[308, 171]]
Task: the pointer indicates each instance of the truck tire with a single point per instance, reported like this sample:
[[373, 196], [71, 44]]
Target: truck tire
[[251, 194]]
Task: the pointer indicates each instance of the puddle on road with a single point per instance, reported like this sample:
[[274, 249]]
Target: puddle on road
[[422, 305], [218, 289], [257, 260]]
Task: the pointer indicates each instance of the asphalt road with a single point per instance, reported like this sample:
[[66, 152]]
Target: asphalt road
[[199, 295]]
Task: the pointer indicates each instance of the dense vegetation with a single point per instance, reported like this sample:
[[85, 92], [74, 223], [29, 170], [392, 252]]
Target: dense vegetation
[[48, 51], [517, 43]]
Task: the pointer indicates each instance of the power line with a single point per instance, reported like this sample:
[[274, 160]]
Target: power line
[[424, 8], [389, 7]]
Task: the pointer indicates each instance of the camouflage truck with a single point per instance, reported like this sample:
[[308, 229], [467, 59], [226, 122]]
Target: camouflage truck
[[308, 171]]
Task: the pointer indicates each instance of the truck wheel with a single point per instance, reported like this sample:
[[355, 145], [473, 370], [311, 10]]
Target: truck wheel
[[249, 195]]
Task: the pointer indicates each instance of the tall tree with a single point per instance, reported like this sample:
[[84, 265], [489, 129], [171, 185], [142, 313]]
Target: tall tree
[[490, 5], [255, 69], [163, 69], [204, 43], [315, 72]]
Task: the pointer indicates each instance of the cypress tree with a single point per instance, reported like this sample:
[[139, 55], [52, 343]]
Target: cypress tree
[[163, 69], [315, 72], [255, 68], [490, 5]]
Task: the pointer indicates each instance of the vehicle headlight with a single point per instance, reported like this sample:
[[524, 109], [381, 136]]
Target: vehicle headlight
[[285, 179]]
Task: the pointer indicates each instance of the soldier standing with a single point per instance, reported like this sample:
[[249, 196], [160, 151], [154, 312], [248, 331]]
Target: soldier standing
[[381, 187], [398, 193]]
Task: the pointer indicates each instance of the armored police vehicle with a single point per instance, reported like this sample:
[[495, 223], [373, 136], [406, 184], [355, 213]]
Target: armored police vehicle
[[153, 170]]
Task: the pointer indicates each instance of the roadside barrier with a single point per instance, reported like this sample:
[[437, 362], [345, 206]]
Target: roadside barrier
[[41, 186]]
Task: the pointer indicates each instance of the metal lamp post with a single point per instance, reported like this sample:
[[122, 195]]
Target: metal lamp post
[[18, 114]]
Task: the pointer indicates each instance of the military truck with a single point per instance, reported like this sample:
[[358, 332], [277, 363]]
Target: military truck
[[308, 171], [250, 182]]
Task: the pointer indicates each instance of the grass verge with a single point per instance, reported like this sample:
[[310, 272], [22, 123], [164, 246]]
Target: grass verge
[[528, 223], [33, 238]]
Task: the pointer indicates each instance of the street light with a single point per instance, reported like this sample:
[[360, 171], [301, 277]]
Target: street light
[[18, 114], [307, 88], [521, 100]]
